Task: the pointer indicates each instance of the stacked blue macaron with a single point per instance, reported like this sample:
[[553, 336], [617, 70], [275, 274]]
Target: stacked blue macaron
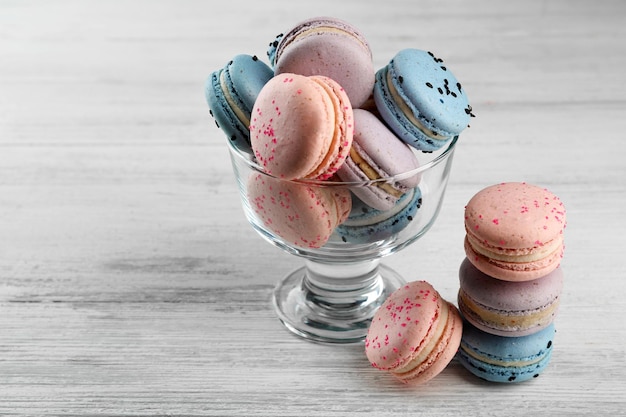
[[505, 359]]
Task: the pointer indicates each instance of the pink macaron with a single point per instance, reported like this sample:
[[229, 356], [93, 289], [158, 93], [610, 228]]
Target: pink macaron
[[414, 334], [301, 127], [507, 308], [331, 47], [514, 231], [377, 155], [301, 214]]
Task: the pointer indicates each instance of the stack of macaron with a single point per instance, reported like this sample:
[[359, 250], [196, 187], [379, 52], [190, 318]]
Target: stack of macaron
[[319, 111], [510, 281]]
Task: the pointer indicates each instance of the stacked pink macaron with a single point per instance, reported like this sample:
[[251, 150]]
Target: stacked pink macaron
[[316, 119], [511, 280]]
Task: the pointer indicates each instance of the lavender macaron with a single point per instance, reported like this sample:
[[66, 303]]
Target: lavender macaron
[[376, 155], [508, 308], [327, 46]]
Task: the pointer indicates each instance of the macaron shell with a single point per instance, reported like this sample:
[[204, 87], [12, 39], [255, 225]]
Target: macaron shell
[[330, 47], [414, 334], [505, 359], [292, 126], [515, 216], [508, 308], [302, 215]]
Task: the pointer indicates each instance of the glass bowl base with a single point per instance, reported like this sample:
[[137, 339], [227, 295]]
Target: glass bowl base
[[334, 304]]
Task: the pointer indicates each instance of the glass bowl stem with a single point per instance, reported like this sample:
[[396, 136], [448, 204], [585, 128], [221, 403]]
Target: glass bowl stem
[[334, 302]]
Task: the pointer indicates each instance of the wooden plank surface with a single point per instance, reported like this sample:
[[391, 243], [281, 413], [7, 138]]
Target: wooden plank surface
[[130, 282]]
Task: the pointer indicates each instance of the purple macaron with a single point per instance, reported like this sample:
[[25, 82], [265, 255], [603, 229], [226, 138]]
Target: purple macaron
[[508, 308], [377, 154], [327, 46]]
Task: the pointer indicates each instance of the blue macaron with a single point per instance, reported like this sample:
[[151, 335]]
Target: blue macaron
[[231, 92], [505, 359], [272, 48], [421, 100], [367, 225]]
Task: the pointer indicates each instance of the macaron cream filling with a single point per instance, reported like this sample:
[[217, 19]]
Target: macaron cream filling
[[372, 173], [232, 102], [408, 112], [492, 360], [507, 320], [514, 255]]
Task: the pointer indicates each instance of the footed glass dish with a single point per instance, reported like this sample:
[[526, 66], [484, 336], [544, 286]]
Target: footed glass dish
[[341, 240]]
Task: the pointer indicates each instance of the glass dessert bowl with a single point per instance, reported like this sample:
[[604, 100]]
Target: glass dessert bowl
[[334, 295]]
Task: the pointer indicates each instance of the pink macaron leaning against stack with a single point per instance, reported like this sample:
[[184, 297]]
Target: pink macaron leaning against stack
[[377, 154], [302, 214], [414, 334], [508, 308], [514, 231], [301, 127], [327, 46]]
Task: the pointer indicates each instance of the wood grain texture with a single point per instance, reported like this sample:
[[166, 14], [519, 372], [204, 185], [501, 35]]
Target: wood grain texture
[[130, 282]]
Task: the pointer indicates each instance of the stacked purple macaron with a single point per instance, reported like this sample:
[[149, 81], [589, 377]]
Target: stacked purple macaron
[[511, 280]]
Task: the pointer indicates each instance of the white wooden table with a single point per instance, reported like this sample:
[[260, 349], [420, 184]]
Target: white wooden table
[[130, 282]]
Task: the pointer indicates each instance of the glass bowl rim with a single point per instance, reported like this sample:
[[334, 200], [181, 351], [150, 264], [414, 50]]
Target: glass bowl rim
[[247, 158]]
